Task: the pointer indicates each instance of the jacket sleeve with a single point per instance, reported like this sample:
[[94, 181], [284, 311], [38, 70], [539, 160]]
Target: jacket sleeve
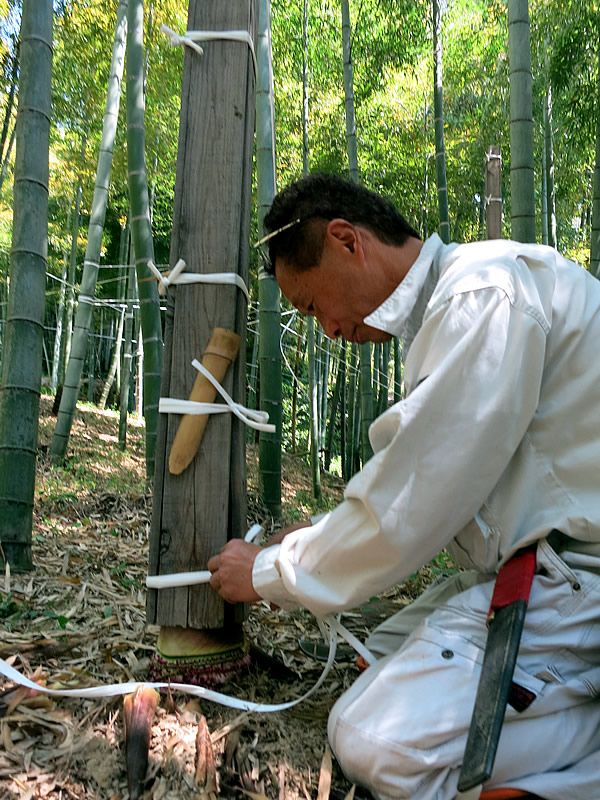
[[476, 365]]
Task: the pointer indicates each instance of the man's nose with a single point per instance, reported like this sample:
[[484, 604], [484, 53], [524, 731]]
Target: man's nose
[[331, 328]]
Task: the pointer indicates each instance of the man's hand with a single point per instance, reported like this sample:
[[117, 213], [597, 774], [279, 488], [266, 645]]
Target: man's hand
[[232, 572]]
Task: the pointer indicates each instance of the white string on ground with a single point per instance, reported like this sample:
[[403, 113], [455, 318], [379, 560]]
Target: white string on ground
[[116, 689]]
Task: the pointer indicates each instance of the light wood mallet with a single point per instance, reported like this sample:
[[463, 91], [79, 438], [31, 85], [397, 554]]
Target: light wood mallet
[[220, 352]]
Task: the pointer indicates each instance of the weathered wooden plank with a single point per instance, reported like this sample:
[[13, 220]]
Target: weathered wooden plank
[[493, 191], [205, 505]]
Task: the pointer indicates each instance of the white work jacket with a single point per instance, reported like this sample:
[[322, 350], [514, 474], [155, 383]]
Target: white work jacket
[[496, 444]]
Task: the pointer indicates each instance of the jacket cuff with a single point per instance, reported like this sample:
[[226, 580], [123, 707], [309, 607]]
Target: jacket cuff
[[267, 582]]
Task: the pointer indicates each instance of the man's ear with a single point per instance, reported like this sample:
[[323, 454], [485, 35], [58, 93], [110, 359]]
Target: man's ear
[[343, 233]]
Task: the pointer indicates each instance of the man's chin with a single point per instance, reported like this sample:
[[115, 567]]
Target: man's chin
[[372, 335]]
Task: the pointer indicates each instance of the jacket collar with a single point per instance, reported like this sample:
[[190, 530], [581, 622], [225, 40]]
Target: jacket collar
[[401, 314]]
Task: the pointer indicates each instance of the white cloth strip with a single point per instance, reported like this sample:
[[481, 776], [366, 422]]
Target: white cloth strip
[[191, 37], [254, 419], [352, 640], [115, 689], [253, 532], [178, 276], [177, 579]]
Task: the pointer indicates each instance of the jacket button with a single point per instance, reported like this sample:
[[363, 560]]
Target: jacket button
[[447, 654]]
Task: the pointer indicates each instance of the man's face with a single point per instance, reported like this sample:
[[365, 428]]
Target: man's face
[[339, 292]]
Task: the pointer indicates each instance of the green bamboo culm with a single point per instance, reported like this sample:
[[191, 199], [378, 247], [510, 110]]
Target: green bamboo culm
[[548, 166], [314, 416], [141, 229], [352, 392], [127, 359], [269, 314], [85, 306], [23, 344], [438, 110], [522, 186], [336, 401], [349, 94], [595, 239], [366, 396]]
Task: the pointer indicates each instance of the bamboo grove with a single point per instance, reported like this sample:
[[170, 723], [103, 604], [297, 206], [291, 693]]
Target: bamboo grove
[[405, 96]]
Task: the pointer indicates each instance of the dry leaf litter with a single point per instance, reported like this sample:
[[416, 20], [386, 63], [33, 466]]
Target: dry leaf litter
[[79, 620]]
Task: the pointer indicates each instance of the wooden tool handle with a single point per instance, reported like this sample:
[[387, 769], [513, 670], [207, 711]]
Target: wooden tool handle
[[221, 350]]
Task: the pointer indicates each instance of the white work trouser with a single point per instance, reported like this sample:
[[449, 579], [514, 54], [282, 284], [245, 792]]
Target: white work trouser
[[401, 729]]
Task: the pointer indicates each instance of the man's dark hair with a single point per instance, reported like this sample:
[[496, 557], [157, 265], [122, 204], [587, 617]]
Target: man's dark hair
[[307, 205]]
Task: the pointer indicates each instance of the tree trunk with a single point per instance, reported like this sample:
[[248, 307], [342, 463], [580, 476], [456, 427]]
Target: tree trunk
[[438, 110], [66, 412], [493, 193], [522, 189], [22, 362], [269, 454], [141, 230], [197, 511]]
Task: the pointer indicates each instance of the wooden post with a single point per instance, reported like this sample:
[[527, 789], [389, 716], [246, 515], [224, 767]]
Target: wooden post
[[493, 193], [197, 511]]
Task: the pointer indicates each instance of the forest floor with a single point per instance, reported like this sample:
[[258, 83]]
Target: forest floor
[[79, 620]]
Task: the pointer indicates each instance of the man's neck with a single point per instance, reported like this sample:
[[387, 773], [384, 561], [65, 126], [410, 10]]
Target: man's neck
[[397, 261]]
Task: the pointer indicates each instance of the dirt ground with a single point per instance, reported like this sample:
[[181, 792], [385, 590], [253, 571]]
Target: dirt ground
[[79, 620]]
